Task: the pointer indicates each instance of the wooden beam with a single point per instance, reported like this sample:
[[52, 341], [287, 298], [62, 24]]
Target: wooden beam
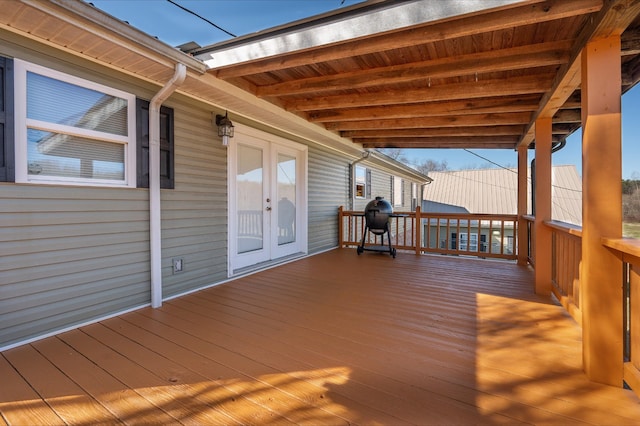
[[481, 89], [478, 143], [438, 132], [449, 140], [529, 56], [512, 17], [507, 104], [614, 17], [567, 116], [434, 122]]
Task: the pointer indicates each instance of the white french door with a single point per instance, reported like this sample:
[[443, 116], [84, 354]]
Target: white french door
[[267, 198]]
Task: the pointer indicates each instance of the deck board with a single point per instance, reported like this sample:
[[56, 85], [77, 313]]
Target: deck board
[[331, 339]]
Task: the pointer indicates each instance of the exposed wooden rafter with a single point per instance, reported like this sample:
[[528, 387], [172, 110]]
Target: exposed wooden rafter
[[472, 80]]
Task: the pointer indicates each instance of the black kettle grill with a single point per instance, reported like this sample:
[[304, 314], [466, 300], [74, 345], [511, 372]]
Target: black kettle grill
[[377, 214]]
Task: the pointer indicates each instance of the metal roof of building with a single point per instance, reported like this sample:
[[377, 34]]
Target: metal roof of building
[[495, 191]]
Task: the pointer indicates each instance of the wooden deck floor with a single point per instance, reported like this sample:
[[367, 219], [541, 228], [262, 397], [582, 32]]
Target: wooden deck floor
[[332, 339]]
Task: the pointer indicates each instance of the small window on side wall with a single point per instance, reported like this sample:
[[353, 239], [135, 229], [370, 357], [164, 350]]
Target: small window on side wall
[[363, 182], [397, 191], [166, 145]]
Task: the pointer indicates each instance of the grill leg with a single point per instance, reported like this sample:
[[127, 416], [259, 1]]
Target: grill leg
[[364, 236]]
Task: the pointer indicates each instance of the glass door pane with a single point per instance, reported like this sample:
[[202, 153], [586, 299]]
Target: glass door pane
[[286, 196], [250, 189]]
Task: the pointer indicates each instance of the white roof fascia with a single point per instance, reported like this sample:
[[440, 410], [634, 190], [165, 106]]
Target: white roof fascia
[[78, 12], [340, 27]]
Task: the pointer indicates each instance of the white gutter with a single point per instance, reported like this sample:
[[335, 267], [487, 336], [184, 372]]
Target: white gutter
[[155, 239]]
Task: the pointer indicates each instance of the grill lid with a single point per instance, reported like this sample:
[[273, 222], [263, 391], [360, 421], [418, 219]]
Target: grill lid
[[377, 213]]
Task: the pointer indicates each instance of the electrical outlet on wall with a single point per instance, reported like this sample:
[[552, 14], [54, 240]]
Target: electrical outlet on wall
[[178, 265]]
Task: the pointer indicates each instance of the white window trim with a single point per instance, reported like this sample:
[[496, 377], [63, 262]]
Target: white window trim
[[472, 242], [21, 123], [364, 184], [397, 192]]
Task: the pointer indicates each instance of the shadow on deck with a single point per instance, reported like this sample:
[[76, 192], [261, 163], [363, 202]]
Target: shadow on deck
[[330, 339]]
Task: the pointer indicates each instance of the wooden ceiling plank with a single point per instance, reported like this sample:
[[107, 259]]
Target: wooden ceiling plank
[[434, 122], [481, 89], [499, 130], [454, 143], [568, 116], [529, 13], [506, 104], [614, 17], [537, 55]]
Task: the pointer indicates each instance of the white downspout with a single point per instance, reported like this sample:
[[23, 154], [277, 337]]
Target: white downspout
[[154, 182]]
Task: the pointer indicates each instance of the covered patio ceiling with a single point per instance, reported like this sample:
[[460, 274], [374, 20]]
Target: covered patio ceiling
[[432, 74]]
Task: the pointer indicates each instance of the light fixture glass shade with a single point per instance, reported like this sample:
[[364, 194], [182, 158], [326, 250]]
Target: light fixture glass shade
[[225, 128]]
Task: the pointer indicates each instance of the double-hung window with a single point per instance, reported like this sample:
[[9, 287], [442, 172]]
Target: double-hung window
[[363, 182], [72, 131], [397, 191]]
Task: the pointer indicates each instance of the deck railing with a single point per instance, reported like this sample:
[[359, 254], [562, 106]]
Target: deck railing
[[628, 250], [566, 254], [495, 236], [481, 235], [531, 240]]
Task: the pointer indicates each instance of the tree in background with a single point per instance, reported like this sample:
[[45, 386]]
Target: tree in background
[[426, 166], [395, 153], [631, 200]]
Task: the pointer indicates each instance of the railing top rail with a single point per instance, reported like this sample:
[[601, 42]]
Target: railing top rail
[[443, 215], [627, 246], [361, 212], [474, 215], [564, 227]]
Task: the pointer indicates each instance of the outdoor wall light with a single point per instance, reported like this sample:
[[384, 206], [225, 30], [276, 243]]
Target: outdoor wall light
[[225, 128]]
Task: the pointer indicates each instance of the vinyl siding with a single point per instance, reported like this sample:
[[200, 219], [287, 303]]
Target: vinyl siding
[[74, 254], [69, 255], [328, 186], [381, 187], [194, 214]]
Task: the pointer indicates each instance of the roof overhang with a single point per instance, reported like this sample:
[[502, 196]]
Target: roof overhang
[[431, 74], [414, 73]]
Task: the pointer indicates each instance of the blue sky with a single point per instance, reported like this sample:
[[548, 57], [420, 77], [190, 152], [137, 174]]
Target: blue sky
[[174, 26]]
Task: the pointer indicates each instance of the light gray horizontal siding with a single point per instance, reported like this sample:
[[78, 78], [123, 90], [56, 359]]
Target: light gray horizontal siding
[[194, 214], [68, 255], [328, 189], [380, 187]]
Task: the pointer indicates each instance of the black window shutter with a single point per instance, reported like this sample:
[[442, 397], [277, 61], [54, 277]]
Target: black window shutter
[[7, 158], [392, 191], [368, 184], [166, 145]]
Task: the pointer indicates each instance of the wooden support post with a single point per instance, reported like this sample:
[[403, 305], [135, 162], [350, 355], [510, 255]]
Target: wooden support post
[[522, 237], [542, 253], [601, 272]]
